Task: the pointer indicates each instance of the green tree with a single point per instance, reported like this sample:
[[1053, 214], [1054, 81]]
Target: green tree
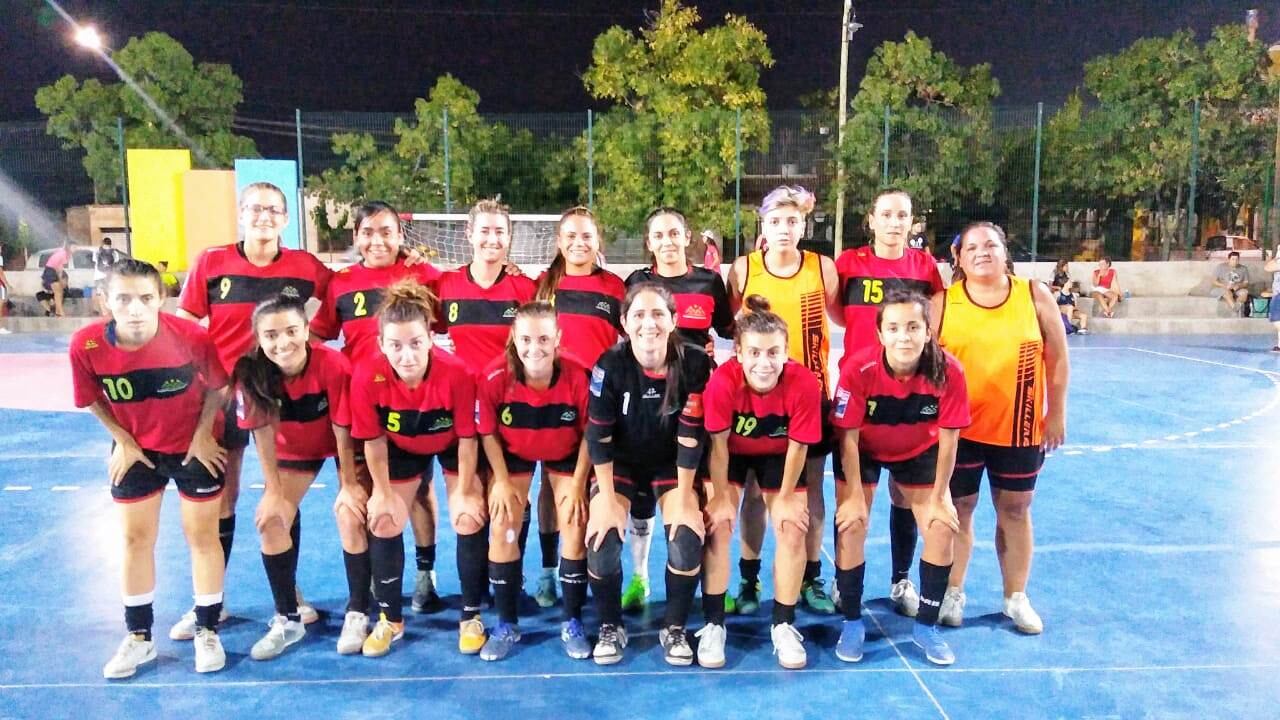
[[940, 148], [670, 138], [200, 99]]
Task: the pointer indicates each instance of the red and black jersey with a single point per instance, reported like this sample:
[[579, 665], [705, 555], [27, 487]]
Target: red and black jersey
[[590, 314], [225, 287], [702, 303], [351, 302], [479, 319], [535, 425], [314, 401], [865, 281], [763, 424], [897, 420], [424, 420], [156, 391]]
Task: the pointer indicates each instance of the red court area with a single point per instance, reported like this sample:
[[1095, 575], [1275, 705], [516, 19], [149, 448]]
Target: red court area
[[35, 381]]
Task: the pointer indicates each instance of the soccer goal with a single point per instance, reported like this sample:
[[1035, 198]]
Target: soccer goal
[[442, 237]]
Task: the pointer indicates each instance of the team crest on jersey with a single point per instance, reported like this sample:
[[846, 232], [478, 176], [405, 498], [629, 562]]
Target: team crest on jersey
[[842, 402], [290, 291], [323, 405], [650, 394], [929, 410], [90, 344], [569, 416], [509, 314], [695, 312], [603, 307], [441, 423], [171, 386], [597, 380]]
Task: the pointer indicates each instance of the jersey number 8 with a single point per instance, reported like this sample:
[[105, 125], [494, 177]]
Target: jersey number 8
[[453, 312]]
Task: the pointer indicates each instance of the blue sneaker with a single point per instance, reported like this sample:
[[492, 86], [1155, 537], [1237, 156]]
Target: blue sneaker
[[574, 639], [500, 642], [936, 650], [852, 635]]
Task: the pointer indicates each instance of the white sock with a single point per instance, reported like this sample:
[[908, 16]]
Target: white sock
[[641, 541]]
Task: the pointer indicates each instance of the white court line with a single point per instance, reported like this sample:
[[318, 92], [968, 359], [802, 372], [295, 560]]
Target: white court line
[[64, 488], [17, 488], [1268, 373]]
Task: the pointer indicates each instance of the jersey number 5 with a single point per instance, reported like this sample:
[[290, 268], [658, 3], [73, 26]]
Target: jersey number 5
[[393, 421]]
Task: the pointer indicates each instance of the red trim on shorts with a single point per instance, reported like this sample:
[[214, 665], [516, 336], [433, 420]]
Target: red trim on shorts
[[969, 466], [665, 481], [1014, 476], [206, 498], [129, 501]]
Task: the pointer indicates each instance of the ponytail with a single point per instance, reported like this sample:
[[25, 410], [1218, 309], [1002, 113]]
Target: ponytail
[[756, 317], [260, 381], [550, 280], [933, 361]]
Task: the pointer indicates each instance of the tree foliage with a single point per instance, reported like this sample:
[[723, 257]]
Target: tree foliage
[[199, 98]]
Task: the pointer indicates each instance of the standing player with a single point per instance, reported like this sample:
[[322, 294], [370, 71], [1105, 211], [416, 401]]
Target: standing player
[[588, 301], [415, 403], [645, 430], [348, 308], [867, 275], [294, 398], [702, 305], [762, 412], [533, 409], [224, 286], [898, 405], [1006, 332], [802, 288], [152, 380]]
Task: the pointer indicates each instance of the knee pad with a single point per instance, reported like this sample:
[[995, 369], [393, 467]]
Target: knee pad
[[684, 553], [607, 561]]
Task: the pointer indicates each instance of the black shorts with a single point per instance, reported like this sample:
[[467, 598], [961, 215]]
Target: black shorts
[[630, 481], [918, 471], [193, 479], [768, 470], [48, 277], [517, 465], [233, 436], [829, 441], [1008, 468], [404, 466], [307, 466]]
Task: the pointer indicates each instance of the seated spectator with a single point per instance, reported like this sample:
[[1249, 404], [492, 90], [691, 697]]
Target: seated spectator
[[1073, 318], [1060, 279], [1231, 284], [170, 280], [1273, 266], [1106, 287]]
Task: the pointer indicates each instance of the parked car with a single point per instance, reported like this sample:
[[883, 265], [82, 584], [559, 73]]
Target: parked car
[[1219, 246], [80, 269]]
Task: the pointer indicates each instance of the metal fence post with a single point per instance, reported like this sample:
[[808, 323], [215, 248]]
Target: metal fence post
[[1195, 167], [591, 168], [124, 185], [444, 129], [1035, 189], [737, 184], [302, 190], [884, 174]]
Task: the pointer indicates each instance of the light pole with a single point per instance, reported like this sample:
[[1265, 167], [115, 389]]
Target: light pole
[[87, 36], [848, 26], [1274, 211]]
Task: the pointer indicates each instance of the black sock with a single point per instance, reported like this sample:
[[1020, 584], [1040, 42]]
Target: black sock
[[473, 554], [505, 577], [933, 585], [608, 594], [812, 570], [359, 573], [573, 585], [849, 582], [902, 541], [207, 616], [425, 556], [295, 534], [550, 542], [386, 558], [713, 608], [281, 578], [783, 613], [749, 569], [138, 619], [226, 533], [680, 589], [524, 529]]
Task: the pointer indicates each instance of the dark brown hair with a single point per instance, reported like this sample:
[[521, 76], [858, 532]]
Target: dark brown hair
[[407, 300], [260, 381], [550, 280], [933, 362], [675, 349], [756, 317]]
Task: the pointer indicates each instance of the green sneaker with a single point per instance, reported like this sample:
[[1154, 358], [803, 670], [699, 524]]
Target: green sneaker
[[816, 598], [748, 599], [636, 594], [730, 604]]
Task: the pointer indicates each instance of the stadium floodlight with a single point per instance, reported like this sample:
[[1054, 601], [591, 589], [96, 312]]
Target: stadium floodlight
[[87, 36]]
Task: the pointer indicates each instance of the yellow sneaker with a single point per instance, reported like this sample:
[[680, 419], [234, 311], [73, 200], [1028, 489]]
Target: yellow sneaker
[[471, 636], [384, 633]]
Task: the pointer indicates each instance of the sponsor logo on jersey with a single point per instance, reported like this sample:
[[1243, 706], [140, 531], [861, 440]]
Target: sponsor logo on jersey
[[323, 405], [377, 377], [441, 423], [929, 410], [569, 416], [290, 291], [780, 431], [509, 314], [172, 385], [695, 312], [597, 380], [90, 344], [603, 307], [650, 394], [842, 402]]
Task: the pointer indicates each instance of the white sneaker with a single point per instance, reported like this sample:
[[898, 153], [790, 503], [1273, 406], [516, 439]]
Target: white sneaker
[[788, 645], [711, 645], [306, 612], [355, 628], [283, 633], [185, 628], [133, 651], [951, 613], [210, 657], [1018, 609], [5, 331], [905, 598]]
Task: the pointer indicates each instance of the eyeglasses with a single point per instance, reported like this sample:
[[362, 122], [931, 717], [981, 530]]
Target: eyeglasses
[[256, 210]]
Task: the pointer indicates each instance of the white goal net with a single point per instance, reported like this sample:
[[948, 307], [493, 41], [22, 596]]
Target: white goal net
[[442, 237]]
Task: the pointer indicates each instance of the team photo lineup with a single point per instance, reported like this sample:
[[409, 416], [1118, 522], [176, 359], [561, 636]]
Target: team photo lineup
[[611, 391]]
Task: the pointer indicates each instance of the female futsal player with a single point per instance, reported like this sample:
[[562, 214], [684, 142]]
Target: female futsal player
[[899, 405], [1007, 333], [293, 397], [762, 413], [645, 431], [415, 403], [702, 305], [533, 409], [348, 309], [153, 382], [867, 275], [802, 288]]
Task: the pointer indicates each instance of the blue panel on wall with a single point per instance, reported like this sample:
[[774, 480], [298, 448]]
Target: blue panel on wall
[[284, 175]]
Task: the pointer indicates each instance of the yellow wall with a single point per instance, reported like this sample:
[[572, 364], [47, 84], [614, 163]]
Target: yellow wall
[[155, 205], [209, 211]]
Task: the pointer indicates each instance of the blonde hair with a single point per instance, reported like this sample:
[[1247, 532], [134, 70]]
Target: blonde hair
[[784, 195], [267, 187], [407, 300], [488, 206]]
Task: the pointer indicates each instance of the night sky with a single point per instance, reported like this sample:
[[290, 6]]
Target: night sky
[[529, 56]]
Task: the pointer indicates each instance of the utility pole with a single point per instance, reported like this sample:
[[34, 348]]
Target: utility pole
[[848, 26]]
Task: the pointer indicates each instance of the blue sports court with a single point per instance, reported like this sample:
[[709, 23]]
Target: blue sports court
[[1157, 573]]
